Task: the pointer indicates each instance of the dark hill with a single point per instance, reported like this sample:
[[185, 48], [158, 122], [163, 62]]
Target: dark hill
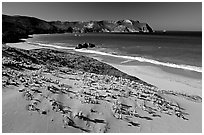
[[16, 27]]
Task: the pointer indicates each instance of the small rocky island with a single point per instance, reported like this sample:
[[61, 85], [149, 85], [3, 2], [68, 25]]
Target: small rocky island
[[85, 45]]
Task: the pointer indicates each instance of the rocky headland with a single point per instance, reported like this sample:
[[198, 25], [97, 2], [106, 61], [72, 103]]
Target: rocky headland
[[17, 27]]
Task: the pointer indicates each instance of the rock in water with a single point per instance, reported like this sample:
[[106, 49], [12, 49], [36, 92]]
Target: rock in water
[[79, 46], [91, 45], [85, 45]]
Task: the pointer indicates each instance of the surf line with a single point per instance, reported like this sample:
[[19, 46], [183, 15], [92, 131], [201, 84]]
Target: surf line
[[140, 59]]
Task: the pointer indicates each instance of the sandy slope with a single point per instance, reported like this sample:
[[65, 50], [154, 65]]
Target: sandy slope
[[97, 117], [162, 79], [177, 83], [73, 101]]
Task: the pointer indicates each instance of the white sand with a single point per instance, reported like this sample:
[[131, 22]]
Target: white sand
[[162, 79], [177, 83], [24, 45]]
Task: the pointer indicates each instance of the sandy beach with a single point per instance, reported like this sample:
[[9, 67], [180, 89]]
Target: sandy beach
[[163, 80], [70, 100], [178, 83]]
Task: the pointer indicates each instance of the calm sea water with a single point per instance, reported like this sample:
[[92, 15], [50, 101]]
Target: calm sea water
[[179, 48]]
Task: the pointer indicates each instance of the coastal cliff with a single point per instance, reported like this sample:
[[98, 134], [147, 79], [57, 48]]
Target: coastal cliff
[[103, 26], [16, 27]]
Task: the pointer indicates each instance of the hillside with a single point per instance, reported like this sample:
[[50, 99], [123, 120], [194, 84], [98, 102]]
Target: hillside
[[16, 27], [103, 26]]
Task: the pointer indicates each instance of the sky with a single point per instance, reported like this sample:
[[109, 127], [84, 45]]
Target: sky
[[184, 16]]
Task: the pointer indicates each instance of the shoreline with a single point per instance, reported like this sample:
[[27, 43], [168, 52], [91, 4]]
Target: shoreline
[[147, 72], [106, 52], [158, 77], [96, 117]]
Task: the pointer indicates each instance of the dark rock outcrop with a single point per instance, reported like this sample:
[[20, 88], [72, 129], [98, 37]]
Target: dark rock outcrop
[[85, 45], [91, 45]]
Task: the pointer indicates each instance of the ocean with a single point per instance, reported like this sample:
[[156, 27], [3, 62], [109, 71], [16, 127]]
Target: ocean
[[171, 49]]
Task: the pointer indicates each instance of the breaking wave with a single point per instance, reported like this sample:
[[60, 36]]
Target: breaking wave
[[140, 59]]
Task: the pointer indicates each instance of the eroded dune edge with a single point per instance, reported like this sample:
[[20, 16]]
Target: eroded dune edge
[[65, 92]]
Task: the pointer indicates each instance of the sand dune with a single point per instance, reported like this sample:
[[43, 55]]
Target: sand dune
[[62, 99]]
